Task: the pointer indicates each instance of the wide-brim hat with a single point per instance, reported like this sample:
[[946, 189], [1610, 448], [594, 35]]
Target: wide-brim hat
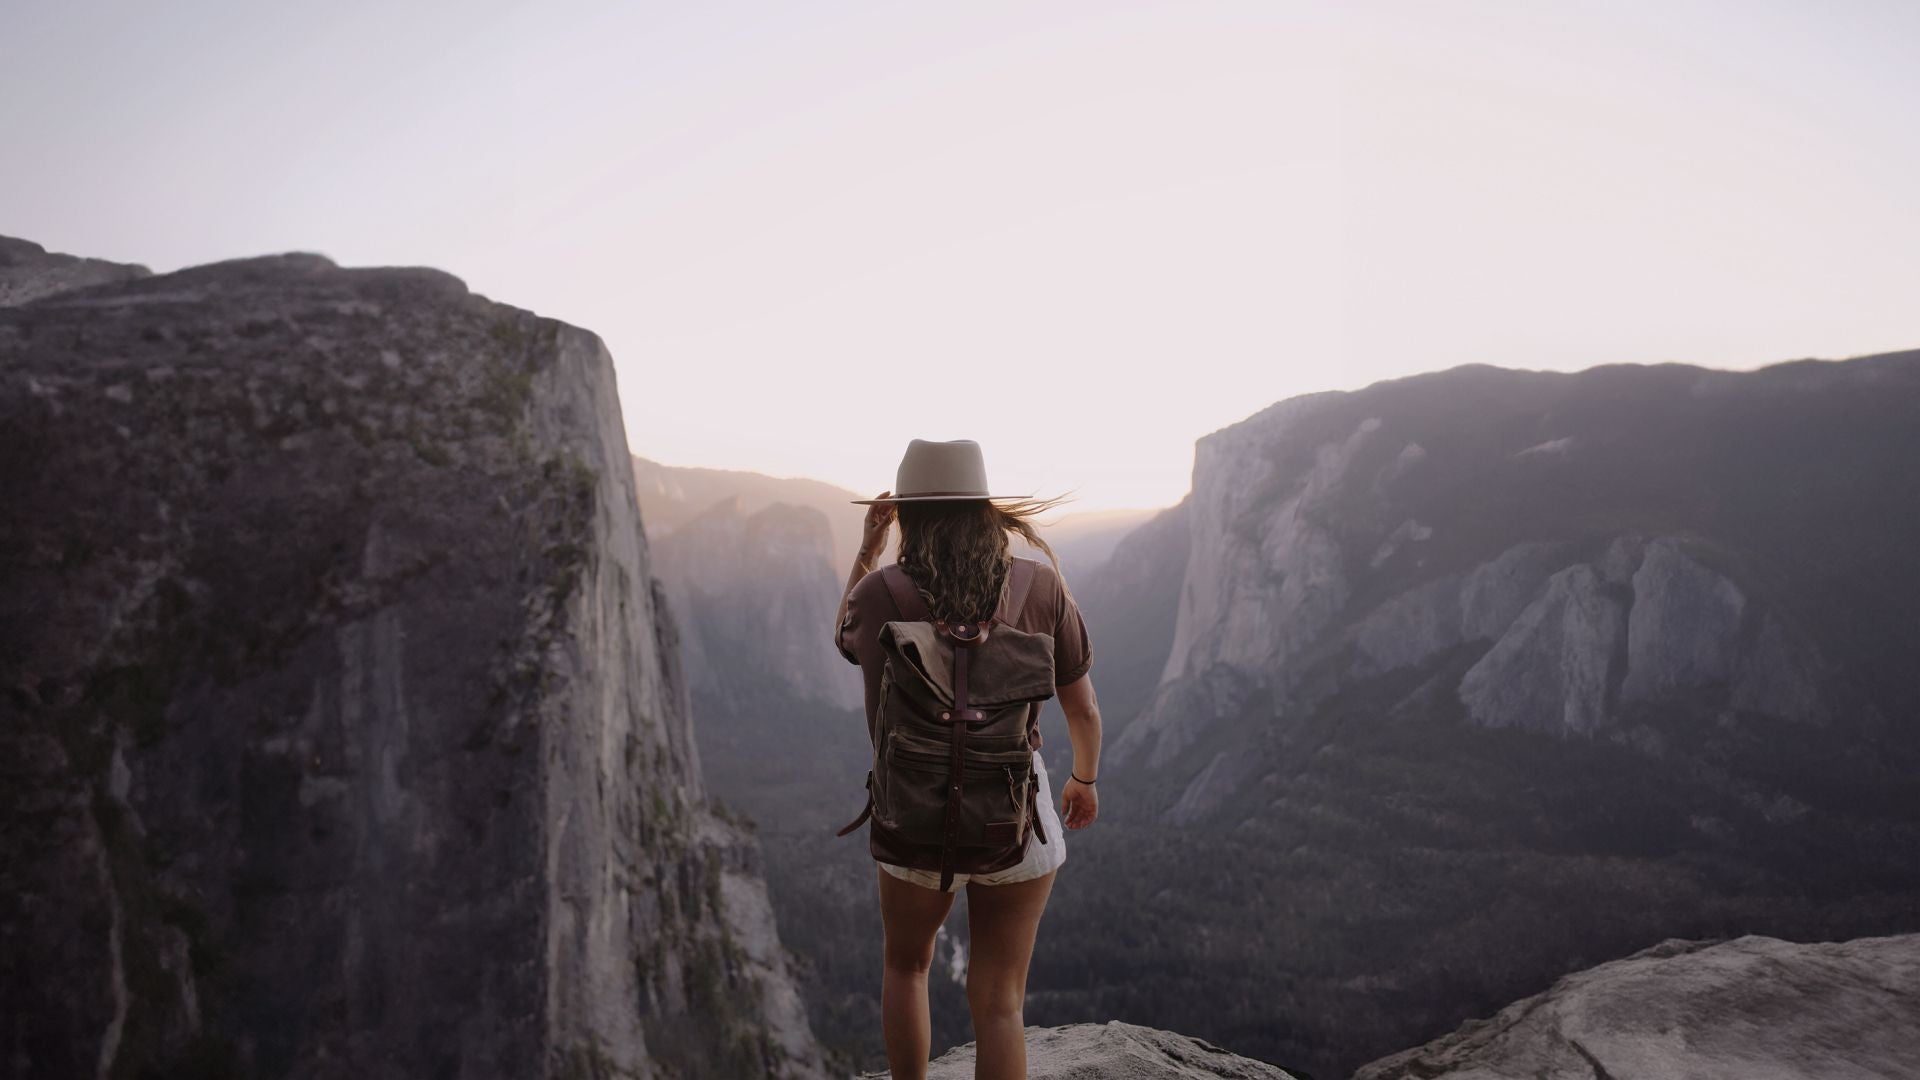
[[950, 469]]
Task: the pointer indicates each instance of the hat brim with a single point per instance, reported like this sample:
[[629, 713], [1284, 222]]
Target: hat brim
[[935, 498]]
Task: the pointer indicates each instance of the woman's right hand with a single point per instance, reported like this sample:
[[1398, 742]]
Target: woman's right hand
[[873, 531], [1079, 804]]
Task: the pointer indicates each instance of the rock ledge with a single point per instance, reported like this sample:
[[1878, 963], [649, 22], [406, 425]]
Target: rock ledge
[[1114, 1051]]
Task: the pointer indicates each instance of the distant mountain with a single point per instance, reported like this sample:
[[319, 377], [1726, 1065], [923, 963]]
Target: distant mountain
[[753, 566], [1084, 539], [1599, 555], [758, 592], [1128, 600], [1474, 677], [673, 495]]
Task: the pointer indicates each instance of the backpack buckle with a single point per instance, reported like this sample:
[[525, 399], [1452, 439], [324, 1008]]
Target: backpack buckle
[[964, 633]]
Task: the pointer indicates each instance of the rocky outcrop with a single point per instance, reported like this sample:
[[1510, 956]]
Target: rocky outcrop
[[1742, 1009], [1554, 666], [29, 272], [1473, 605], [1591, 644], [1112, 1051], [344, 725]]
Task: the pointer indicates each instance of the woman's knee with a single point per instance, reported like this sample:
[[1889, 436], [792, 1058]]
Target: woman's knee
[[990, 998], [914, 961]]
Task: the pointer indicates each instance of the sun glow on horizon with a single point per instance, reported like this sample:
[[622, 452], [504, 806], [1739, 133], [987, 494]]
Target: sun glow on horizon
[[1084, 234]]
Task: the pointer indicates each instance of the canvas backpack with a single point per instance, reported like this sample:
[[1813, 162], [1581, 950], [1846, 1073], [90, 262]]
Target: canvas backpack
[[952, 788]]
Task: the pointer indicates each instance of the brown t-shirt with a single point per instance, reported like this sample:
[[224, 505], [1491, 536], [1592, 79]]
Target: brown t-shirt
[[1049, 609]]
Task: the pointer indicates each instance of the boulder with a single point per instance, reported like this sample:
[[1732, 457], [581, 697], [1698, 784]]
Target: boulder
[[1752, 1008], [1113, 1051]]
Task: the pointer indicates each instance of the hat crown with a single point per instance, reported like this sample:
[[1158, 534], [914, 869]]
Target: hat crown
[[940, 469], [954, 468]]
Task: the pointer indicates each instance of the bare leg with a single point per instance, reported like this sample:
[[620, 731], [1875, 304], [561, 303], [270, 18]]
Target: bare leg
[[912, 915], [1002, 921]]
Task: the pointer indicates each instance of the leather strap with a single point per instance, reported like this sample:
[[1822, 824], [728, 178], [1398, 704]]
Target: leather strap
[[909, 605], [1017, 590], [906, 595], [1016, 602], [956, 727], [866, 811]]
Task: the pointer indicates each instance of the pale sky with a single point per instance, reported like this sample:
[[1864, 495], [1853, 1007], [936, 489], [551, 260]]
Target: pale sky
[[1084, 234]]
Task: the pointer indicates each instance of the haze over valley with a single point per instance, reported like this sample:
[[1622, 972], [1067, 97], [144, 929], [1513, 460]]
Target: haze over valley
[[1444, 688]]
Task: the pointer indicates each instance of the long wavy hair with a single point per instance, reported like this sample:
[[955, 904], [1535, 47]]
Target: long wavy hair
[[957, 551]]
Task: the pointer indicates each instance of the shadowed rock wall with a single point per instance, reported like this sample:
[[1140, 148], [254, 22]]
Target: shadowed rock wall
[[344, 731]]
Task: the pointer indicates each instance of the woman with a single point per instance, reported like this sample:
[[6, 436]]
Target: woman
[[954, 545]]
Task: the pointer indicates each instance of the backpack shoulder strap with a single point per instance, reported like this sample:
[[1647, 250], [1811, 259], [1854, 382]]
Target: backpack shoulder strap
[[906, 595], [1018, 587], [909, 604]]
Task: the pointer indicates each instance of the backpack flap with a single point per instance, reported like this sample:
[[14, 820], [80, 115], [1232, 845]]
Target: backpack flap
[[1010, 666]]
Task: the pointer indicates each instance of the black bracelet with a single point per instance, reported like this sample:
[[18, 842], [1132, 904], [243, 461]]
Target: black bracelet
[[1070, 773]]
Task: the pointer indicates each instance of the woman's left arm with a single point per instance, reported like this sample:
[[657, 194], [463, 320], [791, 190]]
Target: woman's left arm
[[873, 540]]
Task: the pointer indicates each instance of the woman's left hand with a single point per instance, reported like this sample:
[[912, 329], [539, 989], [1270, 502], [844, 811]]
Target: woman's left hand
[[1079, 804]]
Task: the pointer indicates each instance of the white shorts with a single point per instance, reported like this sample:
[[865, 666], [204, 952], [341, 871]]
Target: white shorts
[[1041, 859]]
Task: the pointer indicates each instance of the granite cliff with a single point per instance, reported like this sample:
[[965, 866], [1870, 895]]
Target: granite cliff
[[344, 727], [1594, 547], [1475, 678]]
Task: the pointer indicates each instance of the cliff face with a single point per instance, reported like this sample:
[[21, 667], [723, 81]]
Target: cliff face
[[344, 723], [1570, 554], [1732, 1010], [1477, 677]]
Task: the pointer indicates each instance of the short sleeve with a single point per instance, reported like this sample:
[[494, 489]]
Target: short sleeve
[[848, 632], [1072, 649]]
